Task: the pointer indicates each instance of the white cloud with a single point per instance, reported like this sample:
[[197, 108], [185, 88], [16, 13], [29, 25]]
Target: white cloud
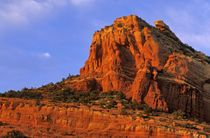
[[22, 12], [46, 55], [81, 2], [191, 23]]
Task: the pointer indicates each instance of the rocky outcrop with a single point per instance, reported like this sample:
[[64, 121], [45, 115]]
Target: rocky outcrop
[[161, 25], [84, 85], [151, 65]]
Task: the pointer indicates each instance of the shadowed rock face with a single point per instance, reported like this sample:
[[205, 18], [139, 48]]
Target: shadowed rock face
[[151, 65]]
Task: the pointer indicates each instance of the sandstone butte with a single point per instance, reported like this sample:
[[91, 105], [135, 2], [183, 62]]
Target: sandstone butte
[[148, 64]]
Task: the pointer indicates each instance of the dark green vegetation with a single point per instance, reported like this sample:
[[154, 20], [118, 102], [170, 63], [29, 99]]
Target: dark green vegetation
[[2, 124], [207, 129], [24, 93], [106, 100], [186, 125], [179, 114], [14, 134], [38, 93], [60, 92]]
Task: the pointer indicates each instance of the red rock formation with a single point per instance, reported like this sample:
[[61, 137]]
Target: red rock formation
[[67, 120], [151, 65]]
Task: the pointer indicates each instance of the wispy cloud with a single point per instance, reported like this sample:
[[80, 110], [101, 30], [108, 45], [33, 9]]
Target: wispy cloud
[[46, 55], [22, 12], [192, 23], [19, 12], [81, 2]]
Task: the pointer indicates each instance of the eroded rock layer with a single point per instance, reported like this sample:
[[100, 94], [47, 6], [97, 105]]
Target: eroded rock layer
[[67, 120], [149, 64]]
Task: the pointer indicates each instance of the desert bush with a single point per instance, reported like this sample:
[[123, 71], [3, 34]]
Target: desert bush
[[37, 102], [132, 105], [102, 103], [154, 113], [69, 95], [179, 114], [132, 26], [14, 134], [159, 110], [120, 25], [139, 114], [145, 108], [2, 124], [186, 125], [68, 134], [106, 27], [25, 93], [93, 95], [133, 117], [124, 112], [111, 104], [144, 116], [206, 129], [162, 120], [70, 77], [117, 94]]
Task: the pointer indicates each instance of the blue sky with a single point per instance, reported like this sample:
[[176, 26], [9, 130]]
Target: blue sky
[[42, 41]]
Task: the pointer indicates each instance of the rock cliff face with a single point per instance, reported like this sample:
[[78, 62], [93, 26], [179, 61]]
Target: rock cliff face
[[66, 120], [149, 64]]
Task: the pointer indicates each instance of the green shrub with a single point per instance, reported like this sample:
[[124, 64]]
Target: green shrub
[[2, 124], [111, 104], [187, 125], [206, 129], [14, 134], [25, 93], [117, 94], [124, 112], [179, 114], [37, 102], [70, 77], [133, 117], [120, 25], [69, 95], [94, 95], [190, 126], [132, 105], [144, 116], [163, 120], [68, 134], [154, 113], [106, 27], [145, 108]]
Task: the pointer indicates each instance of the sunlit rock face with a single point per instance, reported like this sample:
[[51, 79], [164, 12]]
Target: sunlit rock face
[[51, 120], [150, 65]]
